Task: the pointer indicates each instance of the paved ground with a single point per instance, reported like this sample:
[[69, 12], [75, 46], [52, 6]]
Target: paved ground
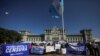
[[56, 55]]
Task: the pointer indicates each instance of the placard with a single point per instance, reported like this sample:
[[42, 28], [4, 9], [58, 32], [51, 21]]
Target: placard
[[50, 49]]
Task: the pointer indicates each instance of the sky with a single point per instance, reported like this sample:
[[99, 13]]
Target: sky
[[34, 16]]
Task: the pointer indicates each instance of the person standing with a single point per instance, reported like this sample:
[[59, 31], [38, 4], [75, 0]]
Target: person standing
[[90, 48], [96, 49]]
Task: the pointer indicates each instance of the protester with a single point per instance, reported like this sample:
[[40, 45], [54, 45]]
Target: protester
[[66, 45], [96, 49], [90, 48]]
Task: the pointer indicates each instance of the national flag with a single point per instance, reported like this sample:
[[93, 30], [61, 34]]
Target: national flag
[[56, 9]]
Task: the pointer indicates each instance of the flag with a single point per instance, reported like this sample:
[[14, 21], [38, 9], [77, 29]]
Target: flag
[[56, 9]]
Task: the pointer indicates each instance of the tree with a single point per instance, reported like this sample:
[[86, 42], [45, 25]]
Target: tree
[[9, 36]]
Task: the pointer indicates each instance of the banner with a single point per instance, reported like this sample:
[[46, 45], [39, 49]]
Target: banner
[[37, 50], [57, 46], [19, 49], [76, 49], [63, 50], [50, 49]]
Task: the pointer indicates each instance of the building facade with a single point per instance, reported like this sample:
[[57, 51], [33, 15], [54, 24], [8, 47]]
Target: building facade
[[55, 34]]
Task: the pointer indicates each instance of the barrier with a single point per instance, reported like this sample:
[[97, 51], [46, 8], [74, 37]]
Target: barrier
[[19, 49]]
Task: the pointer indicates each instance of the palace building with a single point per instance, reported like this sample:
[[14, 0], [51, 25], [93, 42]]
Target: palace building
[[55, 34]]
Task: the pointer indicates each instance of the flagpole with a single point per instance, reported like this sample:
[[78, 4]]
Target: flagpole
[[63, 21]]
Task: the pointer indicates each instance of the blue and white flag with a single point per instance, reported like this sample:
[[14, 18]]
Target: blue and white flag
[[57, 8]]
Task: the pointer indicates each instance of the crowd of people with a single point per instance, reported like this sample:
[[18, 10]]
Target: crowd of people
[[57, 46], [92, 48]]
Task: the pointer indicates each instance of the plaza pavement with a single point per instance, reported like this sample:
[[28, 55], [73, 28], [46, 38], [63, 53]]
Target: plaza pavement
[[56, 55]]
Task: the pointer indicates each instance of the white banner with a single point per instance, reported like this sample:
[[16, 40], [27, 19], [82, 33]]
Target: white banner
[[57, 46], [63, 50], [50, 49]]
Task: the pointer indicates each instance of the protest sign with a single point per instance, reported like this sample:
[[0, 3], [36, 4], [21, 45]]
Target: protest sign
[[50, 49], [57, 46], [63, 50]]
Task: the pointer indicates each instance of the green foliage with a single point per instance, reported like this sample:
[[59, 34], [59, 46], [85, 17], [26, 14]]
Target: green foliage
[[9, 36]]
